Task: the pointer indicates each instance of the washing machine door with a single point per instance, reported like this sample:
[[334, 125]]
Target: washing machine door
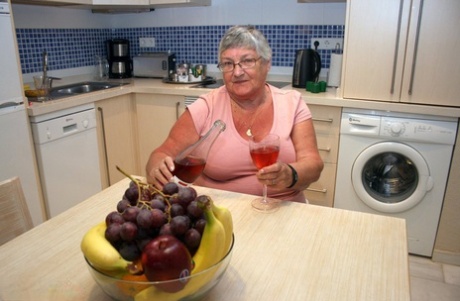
[[391, 177]]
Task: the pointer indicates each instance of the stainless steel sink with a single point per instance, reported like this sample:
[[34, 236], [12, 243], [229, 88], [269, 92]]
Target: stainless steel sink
[[81, 88]]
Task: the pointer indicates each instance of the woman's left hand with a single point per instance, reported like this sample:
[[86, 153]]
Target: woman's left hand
[[277, 176]]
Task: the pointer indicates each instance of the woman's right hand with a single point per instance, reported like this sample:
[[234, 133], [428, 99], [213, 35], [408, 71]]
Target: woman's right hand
[[160, 172]]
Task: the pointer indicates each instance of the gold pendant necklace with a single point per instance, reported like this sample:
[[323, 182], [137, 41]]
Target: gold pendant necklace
[[249, 131], [255, 115]]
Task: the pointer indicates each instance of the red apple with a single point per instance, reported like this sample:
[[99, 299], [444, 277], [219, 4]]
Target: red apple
[[167, 258]]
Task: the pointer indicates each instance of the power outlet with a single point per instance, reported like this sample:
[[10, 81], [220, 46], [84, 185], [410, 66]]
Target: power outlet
[[327, 43], [146, 42]]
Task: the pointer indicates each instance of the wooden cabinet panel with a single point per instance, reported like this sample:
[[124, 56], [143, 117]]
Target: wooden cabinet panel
[[402, 51], [117, 137], [322, 191], [156, 114], [326, 120], [447, 245], [372, 49], [327, 126], [432, 62]]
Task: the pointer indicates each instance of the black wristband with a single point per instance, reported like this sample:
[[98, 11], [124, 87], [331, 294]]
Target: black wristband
[[295, 176]]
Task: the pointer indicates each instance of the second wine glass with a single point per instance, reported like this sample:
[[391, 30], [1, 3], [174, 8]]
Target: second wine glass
[[264, 152]]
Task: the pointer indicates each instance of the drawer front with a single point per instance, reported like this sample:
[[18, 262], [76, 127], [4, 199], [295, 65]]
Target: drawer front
[[328, 147], [326, 121], [322, 191]]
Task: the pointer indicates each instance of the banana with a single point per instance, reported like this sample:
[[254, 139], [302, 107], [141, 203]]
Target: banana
[[101, 254], [225, 217], [212, 248]]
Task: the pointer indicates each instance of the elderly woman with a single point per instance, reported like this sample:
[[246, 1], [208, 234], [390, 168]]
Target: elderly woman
[[249, 107]]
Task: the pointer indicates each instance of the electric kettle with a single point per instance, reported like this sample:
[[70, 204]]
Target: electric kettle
[[307, 66]]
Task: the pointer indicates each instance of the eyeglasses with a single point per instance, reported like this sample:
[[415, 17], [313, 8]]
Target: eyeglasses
[[244, 64]]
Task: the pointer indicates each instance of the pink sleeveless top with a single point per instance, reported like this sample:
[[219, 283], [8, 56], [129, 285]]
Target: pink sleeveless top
[[229, 165]]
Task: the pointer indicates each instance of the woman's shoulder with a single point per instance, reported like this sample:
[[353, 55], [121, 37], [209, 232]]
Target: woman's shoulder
[[286, 95]]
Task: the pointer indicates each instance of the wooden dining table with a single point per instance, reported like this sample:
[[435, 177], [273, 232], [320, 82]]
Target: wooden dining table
[[299, 252]]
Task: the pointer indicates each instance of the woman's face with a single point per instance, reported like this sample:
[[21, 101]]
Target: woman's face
[[244, 83]]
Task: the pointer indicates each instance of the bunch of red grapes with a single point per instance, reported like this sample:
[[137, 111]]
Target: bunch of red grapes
[[145, 212]]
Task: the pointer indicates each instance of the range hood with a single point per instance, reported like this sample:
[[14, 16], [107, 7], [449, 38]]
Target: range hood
[[120, 10]]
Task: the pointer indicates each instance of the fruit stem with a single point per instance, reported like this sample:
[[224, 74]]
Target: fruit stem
[[204, 202], [139, 183]]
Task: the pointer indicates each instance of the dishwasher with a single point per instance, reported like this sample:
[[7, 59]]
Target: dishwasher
[[68, 157]]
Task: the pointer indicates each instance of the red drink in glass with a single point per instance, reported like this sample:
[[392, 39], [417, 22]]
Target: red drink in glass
[[265, 156], [189, 168]]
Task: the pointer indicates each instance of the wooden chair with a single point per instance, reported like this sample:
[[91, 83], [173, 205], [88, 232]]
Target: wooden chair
[[15, 217]]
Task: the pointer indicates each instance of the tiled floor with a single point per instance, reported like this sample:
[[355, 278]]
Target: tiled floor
[[433, 281]]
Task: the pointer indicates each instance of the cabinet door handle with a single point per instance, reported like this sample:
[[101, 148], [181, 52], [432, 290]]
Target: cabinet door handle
[[327, 149], [322, 190], [330, 120], [395, 55], [177, 109], [104, 141], [414, 59]]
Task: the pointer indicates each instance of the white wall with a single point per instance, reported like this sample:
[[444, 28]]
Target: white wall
[[222, 12]]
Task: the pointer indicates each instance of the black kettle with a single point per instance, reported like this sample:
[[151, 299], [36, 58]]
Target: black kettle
[[307, 66]]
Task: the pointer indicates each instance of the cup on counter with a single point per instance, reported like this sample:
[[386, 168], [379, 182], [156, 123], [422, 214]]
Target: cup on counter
[[322, 86], [101, 68], [315, 88], [42, 86]]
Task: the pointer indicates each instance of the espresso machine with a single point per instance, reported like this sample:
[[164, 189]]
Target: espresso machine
[[119, 58]]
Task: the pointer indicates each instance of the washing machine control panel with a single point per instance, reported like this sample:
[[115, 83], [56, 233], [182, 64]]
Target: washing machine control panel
[[417, 130], [394, 127], [397, 128]]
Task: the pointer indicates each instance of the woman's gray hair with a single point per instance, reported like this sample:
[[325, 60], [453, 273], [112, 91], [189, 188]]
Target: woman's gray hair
[[246, 37]]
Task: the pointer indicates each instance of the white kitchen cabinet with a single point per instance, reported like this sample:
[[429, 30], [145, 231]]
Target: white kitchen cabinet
[[320, 1], [395, 51], [120, 2], [156, 114], [116, 4], [326, 120], [168, 3], [60, 3], [117, 137]]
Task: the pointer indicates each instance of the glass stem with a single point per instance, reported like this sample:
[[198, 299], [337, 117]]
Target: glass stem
[[265, 194]]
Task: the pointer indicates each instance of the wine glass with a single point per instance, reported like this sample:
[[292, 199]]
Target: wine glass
[[264, 152]]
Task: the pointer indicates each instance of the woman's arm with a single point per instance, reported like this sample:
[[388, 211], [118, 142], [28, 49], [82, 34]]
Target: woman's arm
[[308, 160], [308, 164], [160, 164]]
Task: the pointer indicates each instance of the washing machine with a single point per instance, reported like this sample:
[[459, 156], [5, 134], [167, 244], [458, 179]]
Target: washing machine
[[397, 165]]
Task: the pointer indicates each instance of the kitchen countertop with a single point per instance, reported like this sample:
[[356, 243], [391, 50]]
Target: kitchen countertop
[[156, 86], [300, 252]]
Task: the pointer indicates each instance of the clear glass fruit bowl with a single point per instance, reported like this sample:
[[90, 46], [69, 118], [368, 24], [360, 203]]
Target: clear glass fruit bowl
[[198, 285]]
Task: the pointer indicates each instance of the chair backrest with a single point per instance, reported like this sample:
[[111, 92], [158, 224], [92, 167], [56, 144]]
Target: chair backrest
[[15, 217]]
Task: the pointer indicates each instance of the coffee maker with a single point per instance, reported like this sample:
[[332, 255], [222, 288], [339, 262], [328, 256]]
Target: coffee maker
[[119, 59]]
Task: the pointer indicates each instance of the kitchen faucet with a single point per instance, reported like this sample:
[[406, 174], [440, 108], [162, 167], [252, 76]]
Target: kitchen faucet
[[45, 64], [45, 69]]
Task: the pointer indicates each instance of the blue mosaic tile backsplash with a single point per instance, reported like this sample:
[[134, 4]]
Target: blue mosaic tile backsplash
[[72, 48]]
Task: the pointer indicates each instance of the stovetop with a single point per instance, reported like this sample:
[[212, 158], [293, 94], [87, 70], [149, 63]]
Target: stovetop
[[218, 83]]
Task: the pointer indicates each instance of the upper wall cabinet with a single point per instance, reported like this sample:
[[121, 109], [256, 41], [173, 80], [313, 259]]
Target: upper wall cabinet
[[402, 51], [62, 3], [173, 3], [320, 1], [114, 4], [154, 3]]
